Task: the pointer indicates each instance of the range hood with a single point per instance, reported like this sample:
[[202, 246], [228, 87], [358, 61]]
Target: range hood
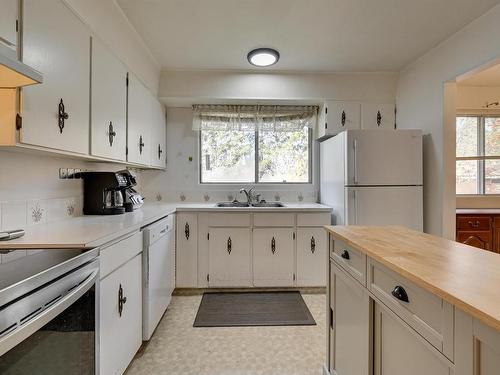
[[13, 73]]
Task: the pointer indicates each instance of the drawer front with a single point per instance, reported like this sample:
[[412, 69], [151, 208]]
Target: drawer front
[[428, 314], [353, 261], [474, 222], [274, 220], [313, 219], [113, 256], [229, 220], [161, 227], [480, 239]]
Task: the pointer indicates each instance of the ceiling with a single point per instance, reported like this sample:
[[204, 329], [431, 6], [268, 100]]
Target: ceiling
[[311, 35], [489, 77]]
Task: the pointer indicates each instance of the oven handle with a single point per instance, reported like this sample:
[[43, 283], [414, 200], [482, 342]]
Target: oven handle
[[24, 331]]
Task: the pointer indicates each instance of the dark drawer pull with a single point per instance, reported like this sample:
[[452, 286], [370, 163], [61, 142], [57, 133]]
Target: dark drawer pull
[[345, 255], [122, 300], [400, 293]]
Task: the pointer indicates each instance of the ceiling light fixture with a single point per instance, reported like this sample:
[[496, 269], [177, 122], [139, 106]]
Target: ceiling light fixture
[[263, 57]]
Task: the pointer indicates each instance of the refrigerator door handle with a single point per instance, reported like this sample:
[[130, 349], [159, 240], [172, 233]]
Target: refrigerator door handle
[[355, 161], [355, 207]]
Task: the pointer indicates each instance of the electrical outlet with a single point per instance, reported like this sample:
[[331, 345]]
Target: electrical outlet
[[63, 173]]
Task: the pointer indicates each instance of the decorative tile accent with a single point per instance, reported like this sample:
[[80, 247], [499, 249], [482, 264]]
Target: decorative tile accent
[[230, 197], [277, 197], [36, 212], [206, 197], [182, 197], [300, 197], [158, 197]]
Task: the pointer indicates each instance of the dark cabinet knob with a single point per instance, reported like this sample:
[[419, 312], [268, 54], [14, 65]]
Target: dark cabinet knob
[[400, 293], [345, 255], [160, 151], [186, 231], [273, 245], [122, 300], [111, 133], [313, 245], [343, 118], [379, 118], [62, 115], [229, 245], [141, 144]]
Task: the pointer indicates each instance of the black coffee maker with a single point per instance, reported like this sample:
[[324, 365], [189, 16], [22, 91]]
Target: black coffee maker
[[102, 193]]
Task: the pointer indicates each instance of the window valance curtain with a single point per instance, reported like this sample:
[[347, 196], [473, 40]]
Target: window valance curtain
[[254, 117]]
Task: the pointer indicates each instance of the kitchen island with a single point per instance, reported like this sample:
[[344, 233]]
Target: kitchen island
[[402, 301]]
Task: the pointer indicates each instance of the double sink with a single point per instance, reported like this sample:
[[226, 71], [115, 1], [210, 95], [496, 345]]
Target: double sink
[[244, 204]]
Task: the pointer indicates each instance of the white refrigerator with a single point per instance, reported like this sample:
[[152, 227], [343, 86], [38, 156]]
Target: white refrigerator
[[373, 177]]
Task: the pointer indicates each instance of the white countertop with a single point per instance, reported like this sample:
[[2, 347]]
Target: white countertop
[[95, 230], [478, 211]]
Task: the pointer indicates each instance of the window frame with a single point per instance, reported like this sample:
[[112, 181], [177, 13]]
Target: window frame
[[256, 167], [481, 157]]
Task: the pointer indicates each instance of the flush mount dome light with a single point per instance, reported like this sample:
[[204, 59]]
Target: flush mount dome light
[[263, 57]]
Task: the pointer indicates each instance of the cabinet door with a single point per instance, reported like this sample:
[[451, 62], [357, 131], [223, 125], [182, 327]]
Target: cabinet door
[[158, 151], [400, 350], [479, 239], [229, 257], [378, 116], [311, 257], [350, 344], [56, 43], [120, 333], [140, 119], [341, 116], [187, 250], [109, 104], [8, 19], [273, 250]]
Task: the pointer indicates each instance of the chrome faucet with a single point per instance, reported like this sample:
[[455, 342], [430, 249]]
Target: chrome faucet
[[250, 195]]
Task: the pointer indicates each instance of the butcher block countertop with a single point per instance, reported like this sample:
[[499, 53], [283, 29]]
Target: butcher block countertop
[[467, 277]]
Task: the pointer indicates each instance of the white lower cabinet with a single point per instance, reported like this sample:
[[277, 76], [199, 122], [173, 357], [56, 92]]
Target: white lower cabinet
[[311, 255], [398, 349], [229, 260], [350, 323], [186, 250], [120, 317], [273, 257]]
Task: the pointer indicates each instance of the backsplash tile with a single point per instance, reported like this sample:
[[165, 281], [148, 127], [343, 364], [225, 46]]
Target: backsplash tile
[[13, 215], [36, 212]]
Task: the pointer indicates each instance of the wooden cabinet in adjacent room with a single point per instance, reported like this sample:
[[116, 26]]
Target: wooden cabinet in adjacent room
[[480, 230]]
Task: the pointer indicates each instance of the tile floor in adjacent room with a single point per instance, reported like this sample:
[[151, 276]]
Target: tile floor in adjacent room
[[177, 348]]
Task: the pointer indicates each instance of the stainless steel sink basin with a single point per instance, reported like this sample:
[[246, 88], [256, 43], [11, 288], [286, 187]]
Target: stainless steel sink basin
[[232, 204], [268, 204]]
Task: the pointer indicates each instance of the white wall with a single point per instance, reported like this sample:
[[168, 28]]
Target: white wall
[[107, 21], [187, 87], [476, 97], [421, 101]]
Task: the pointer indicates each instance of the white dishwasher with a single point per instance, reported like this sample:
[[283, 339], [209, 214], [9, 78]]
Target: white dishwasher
[[158, 270]]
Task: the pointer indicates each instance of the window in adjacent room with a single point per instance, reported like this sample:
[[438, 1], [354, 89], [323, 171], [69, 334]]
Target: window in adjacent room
[[478, 155], [255, 144]]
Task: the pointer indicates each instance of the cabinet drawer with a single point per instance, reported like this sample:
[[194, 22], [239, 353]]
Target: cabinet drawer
[[479, 239], [120, 252], [229, 220], [313, 219], [428, 314], [474, 223], [353, 261], [274, 220]]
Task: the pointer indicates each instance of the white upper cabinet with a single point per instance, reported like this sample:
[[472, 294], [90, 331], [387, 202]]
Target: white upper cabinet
[[109, 104], [8, 22], [159, 138], [336, 116], [56, 43], [140, 119], [378, 116]]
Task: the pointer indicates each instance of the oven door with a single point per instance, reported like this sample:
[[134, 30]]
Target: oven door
[[52, 330]]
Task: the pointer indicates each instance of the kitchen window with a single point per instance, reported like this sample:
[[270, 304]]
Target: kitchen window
[[478, 155], [255, 144]]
